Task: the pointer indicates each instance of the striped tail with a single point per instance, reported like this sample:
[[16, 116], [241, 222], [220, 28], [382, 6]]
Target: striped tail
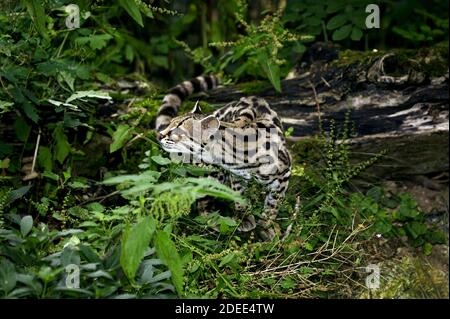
[[172, 101]]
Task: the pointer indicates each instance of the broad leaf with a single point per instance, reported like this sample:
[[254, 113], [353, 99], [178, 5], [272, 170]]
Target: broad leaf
[[45, 158], [22, 129], [337, 21], [356, 34], [90, 94], [135, 242], [167, 252], [146, 176], [17, 193], [62, 146], [158, 159], [7, 275], [37, 13], [120, 137], [133, 10], [342, 33], [271, 69], [26, 224]]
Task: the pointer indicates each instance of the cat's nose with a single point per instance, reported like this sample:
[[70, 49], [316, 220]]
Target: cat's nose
[[159, 136]]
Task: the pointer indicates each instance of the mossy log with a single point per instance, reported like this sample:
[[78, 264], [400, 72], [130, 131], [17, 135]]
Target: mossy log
[[398, 102]]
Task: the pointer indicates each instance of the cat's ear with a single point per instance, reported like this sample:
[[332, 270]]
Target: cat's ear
[[196, 109], [210, 125]]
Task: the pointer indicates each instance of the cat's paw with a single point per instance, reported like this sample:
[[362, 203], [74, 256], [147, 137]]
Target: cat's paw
[[248, 224], [268, 232]]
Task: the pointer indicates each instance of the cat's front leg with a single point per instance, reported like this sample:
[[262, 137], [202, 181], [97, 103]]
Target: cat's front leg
[[267, 226]]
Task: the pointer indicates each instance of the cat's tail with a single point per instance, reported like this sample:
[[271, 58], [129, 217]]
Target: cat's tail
[[172, 101]]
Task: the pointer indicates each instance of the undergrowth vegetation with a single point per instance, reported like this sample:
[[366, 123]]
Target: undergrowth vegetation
[[92, 207], [149, 243]]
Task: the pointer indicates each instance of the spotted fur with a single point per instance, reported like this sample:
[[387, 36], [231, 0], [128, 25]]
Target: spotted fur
[[244, 137]]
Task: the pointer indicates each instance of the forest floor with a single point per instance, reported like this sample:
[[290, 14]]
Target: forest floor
[[90, 213]]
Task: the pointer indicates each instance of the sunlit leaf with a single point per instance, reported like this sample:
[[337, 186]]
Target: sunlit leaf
[[135, 242]]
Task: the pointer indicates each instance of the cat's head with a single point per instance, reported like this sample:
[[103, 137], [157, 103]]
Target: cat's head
[[189, 133]]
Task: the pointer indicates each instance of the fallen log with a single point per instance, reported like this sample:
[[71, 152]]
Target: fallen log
[[398, 102]]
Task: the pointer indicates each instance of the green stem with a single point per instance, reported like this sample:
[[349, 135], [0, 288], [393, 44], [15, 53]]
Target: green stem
[[325, 35]]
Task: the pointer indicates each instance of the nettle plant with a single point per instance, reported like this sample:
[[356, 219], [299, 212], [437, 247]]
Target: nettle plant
[[258, 51], [161, 194]]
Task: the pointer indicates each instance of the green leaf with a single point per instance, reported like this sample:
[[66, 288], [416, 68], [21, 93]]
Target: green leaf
[[68, 78], [96, 42], [288, 283], [427, 249], [120, 137], [375, 193], [30, 111], [151, 176], [336, 5], [8, 278], [129, 53], [51, 175], [90, 94], [139, 188], [96, 207], [62, 146], [22, 129], [4, 163], [336, 21], [308, 246], [271, 69], [416, 229], [435, 237], [313, 21], [45, 158], [135, 242], [37, 13], [342, 33], [133, 10], [17, 193], [227, 259], [89, 253], [26, 223], [158, 159], [356, 34], [161, 60], [167, 252], [4, 106]]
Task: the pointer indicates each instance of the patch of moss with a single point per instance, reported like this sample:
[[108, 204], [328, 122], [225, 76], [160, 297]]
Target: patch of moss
[[348, 57], [429, 61], [253, 87], [309, 148], [119, 96], [151, 104]]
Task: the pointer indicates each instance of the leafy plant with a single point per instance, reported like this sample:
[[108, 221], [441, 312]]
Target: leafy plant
[[259, 48], [105, 200]]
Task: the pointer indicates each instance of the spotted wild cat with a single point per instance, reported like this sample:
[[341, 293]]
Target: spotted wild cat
[[244, 137]]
